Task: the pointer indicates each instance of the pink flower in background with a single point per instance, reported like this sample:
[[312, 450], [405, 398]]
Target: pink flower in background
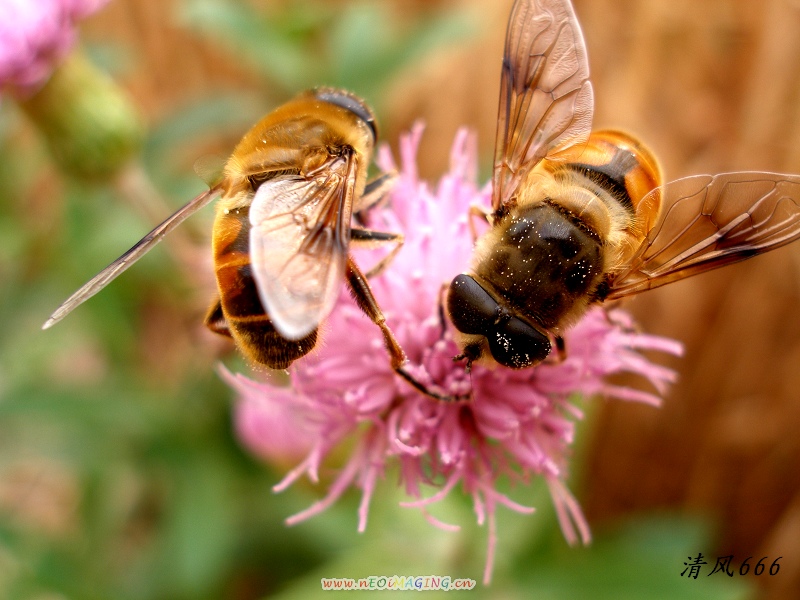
[[34, 36], [520, 423]]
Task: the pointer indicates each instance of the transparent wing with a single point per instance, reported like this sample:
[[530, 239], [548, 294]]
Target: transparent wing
[[711, 221], [142, 247], [546, 100], [299, 236]]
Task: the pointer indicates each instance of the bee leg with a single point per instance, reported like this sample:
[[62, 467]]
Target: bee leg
[[481, 212], [443, 327], [561, 349], [560, 355], [442, 312], [376, 191], [366, 301], [370, 239]]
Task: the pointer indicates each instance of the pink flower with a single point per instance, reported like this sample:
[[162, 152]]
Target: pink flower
[[520, 423], [34, 36]]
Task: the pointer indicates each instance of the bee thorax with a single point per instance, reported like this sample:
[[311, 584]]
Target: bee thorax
[[541, 263]]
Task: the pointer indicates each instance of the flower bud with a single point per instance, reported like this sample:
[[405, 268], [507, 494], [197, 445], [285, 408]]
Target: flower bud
[[88, 122]]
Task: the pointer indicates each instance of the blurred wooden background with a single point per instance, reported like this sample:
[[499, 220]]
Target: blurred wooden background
[[711, 86]]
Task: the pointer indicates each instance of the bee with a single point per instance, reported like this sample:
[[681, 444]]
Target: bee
[[579, 217], [283, 229]]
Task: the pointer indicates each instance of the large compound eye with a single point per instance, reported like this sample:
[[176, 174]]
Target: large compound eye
[[471, 308], [512, 342], [352, 103], [517, 345]]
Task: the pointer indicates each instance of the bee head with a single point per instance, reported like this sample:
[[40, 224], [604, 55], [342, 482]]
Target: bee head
[[487, 325], [349, 102]]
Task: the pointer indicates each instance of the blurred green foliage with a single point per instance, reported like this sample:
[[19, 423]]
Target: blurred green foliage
[[358, 46], [120, 475]]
